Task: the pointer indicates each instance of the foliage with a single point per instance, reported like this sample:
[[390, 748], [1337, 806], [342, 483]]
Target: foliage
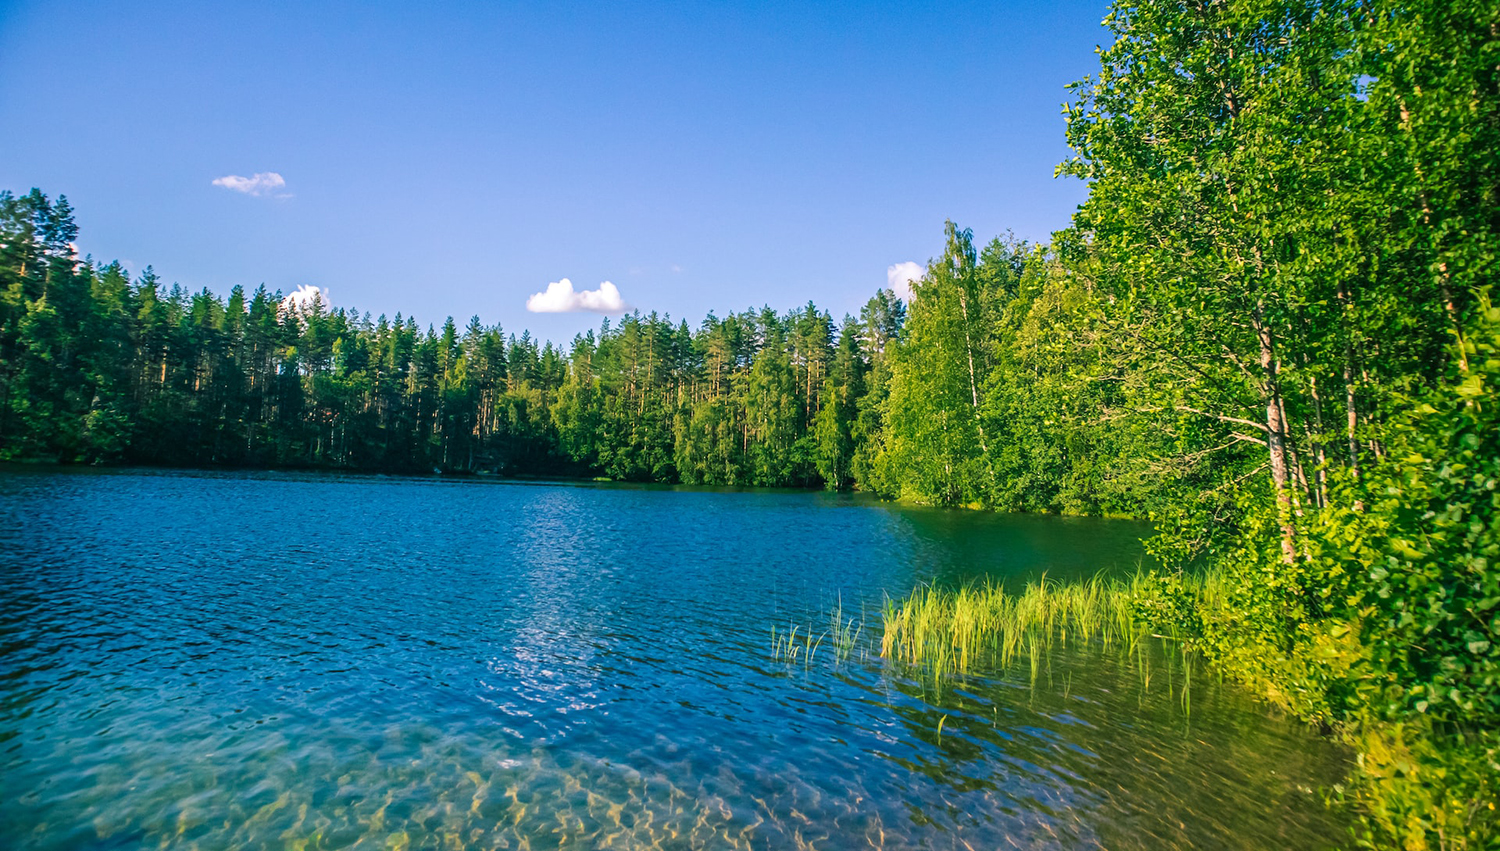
[[98, 368], [1422, 556], [1292, 216], [938, 451]]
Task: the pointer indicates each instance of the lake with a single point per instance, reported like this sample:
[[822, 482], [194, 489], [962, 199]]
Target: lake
[[258, 660]]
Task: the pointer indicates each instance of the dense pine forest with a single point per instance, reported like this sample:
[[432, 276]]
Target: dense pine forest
[[972, 395], [102, 368], [1269, 329]]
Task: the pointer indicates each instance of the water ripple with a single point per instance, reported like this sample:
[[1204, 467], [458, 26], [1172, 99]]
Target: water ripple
[[199, 660]]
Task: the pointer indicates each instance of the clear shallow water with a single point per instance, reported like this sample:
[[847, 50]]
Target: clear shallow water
[[282, 661]]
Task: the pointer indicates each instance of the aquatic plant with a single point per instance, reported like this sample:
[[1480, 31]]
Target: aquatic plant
[[951, 631], [795, 644], [844, 632], [800, 643]]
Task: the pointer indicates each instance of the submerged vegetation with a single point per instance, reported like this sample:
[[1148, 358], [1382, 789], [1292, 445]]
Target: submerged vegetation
[[1270, 329]]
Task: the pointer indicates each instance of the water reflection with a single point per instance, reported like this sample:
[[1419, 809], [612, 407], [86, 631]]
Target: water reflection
[[472, 664], [966, 546]]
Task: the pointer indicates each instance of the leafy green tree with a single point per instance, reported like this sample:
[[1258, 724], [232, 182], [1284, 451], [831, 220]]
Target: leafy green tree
[[937, 449]]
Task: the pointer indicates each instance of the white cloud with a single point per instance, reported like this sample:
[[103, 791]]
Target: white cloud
[[900, 275], [301, 301], [560, 297], [260, 183]]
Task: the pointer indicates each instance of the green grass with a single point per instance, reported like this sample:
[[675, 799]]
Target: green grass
[[955, 631], [1413, 779], [795, 644], [844, 632], [801, 643], [948, 632]]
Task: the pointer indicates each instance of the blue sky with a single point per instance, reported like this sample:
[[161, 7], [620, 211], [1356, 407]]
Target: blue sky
[[456, 158]]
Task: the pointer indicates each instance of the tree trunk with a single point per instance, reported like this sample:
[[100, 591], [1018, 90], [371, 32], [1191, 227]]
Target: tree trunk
[[1315, 442], [1276, 435]]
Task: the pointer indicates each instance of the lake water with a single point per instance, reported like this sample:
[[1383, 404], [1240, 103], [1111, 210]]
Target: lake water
[[199, 660]]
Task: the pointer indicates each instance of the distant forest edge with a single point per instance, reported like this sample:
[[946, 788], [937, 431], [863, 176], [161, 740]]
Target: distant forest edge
[[100, 368], [978, 393]]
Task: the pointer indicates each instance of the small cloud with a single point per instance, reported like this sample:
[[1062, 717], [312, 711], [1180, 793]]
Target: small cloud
[[302, 300], [900, 276], [260, 184], [676, 268], [560, 297]]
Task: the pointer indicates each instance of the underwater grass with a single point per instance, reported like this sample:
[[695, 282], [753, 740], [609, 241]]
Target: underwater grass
[[844, 632], [949, 632]]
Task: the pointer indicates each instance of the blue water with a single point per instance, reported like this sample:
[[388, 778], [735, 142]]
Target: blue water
[[196, 660]]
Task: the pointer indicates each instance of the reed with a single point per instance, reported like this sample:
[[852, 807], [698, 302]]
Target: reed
[[788, 647], [953, 631], [844, 633], [798, 643]]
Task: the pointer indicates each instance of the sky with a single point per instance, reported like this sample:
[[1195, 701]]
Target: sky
[[441, 159]]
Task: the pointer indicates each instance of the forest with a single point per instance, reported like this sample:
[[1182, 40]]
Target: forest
[[1269, 329], [985, 391], [99, 368]]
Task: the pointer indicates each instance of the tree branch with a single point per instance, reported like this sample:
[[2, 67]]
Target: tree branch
[[1223, 419]]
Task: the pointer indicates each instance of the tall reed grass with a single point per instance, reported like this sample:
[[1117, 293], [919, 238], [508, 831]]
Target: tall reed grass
[[954, 631], [842, 634]]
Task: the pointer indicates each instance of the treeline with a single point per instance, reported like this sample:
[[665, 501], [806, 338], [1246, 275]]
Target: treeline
[[965, 403], [97, 367], [972, 395]]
